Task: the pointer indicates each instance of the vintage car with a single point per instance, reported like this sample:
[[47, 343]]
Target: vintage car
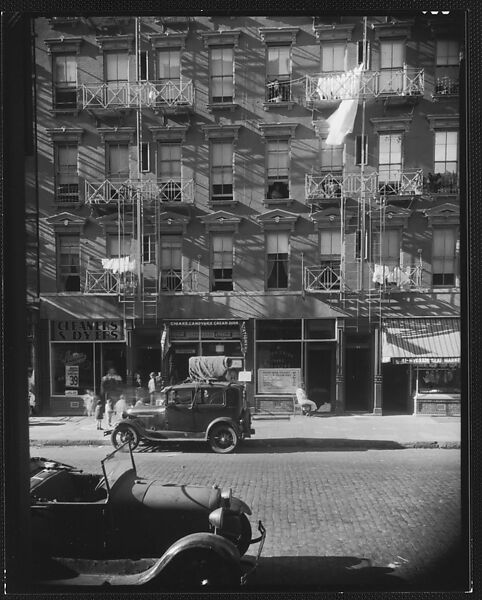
[[193, 536], [215, 411]]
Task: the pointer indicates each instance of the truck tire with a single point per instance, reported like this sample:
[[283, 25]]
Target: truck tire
[[122, 433], [223, 438]]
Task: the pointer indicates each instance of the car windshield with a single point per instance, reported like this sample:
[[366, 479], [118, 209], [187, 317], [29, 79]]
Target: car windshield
[[115, 464]]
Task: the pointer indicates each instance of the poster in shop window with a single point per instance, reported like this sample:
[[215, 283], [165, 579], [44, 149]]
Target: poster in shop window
[[71, 376], [278, 381]]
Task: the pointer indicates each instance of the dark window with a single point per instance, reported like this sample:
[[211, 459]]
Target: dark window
[[68, 263], [278, 329]]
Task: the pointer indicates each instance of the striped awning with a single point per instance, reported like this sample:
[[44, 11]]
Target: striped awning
[[412, 341]]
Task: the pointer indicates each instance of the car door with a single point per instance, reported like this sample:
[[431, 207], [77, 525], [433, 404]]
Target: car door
[[179, 410], [210, 404]]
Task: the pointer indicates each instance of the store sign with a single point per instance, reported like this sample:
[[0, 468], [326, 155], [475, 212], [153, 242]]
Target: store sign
[[204, 323], [425, 361], [87, 331], [278, 381], [72, 376]]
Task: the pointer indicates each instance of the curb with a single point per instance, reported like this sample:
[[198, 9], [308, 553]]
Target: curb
[[273, 443]]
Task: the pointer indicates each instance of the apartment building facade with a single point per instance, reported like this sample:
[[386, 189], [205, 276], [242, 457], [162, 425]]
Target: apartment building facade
[[194, 192]]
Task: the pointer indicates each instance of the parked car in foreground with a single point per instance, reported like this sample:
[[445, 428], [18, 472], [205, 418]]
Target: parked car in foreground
[[214, 411], [194, 536]]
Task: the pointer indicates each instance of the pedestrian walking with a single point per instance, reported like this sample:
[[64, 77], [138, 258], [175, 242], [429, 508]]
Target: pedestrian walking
[[111, 385], [151, 388], [89, 403], [120, 406], [99, 413]]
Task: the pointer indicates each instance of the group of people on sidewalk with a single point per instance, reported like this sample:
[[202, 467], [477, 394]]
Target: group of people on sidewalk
[[112, 401]]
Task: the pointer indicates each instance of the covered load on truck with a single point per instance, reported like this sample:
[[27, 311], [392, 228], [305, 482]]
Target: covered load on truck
[[205, 368]]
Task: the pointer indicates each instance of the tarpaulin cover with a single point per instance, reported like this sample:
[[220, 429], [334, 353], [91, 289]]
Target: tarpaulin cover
[[202, 368]]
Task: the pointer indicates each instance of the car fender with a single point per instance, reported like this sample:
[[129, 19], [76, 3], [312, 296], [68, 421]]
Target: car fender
[[211, 542], [237, 505], [134, 423], [227, 420]]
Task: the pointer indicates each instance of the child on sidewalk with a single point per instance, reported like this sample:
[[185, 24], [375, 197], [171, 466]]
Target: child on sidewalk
[[99, 413], [109, 412]]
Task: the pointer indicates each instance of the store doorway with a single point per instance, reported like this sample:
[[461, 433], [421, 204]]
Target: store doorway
[[395, 389], [319, 369], [179, 361], [148, 360], [357, 379]]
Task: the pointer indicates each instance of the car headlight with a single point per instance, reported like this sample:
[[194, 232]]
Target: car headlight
[[226, 498], [216, 518]]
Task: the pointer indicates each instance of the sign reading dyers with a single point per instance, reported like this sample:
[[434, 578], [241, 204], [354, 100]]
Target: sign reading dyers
[[88, 331]]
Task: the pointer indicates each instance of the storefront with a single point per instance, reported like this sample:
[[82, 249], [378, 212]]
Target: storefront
[[423, 357], [81, 353], [288, 352], [181, 339]]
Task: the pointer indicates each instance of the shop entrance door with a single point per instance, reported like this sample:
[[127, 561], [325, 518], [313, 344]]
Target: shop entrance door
[[179, 361], [319, 368], [148, 360], [357, 379], [395, 389]]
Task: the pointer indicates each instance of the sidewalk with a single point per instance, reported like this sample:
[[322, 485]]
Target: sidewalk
[[326, 431]]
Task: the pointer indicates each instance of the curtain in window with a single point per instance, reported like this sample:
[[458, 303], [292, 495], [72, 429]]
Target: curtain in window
[[330, 242], [277, 259], [118, 165], [443, 251], [221, 74], [68, 263], [332, 57], [65, 69], [446, 152], [116, 67], [390, 157], [279, 62], [391, 61]]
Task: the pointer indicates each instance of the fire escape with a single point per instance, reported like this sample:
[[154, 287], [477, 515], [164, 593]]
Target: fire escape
[[137, 206]]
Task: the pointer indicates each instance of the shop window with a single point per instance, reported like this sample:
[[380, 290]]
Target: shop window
[[277, 260], [278, 355], [171, 263], [65, 82], [278, 73], [68, 263], [333, 57], [278, 329], [66, 173], [278, 168], [222, 262], [320, 329], [438, 380], [72, 368], [169, 171], [389, 163], [443, 256], [221, 61], [222, 157]]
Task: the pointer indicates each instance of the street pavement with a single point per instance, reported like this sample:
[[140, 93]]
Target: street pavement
[[355, 430], [345, 519]]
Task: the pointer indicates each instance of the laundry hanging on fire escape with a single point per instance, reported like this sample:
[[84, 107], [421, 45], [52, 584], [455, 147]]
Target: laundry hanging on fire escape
[[396, 276], [342, 120], [123, 264]]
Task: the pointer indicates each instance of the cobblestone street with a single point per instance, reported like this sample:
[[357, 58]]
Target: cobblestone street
[[377, 519]]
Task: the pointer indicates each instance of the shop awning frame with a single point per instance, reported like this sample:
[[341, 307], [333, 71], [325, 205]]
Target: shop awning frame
[[422, 340]]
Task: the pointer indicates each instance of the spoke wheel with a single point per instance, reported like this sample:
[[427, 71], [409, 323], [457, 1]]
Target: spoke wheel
[[122, 434], [223, 439]]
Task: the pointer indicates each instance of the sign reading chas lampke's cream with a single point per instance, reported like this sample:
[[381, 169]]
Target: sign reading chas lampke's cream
[[88, 331]]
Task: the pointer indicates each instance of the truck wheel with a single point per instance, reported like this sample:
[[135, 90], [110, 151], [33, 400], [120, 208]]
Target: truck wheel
[[223, 438], [124, 433]]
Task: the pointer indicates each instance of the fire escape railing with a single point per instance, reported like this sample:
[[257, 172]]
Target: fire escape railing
[[105, 282], [129, 191], [325, 278], [387, 277], [404, 81], [147, 94]]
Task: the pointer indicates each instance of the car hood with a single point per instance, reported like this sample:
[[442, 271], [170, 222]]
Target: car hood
[[155, 495]]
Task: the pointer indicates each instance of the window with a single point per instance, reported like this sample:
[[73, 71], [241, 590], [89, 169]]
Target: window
[[169, 171], [145, 157], [278, 168], [447, 67], [222, 262], [361, 147], [443, 256], [116, 65], [171, 263], [329, 277], [144, 66], [277, 260], [65, 81], [333, 57], [391, 66], [364, 53], [149, 249], [169, 72], [389, 162], [221, 171], [117, 161], [222, 65], [66, 174], [445, 162], [331, 157], [386, 247], [68, 263], [278, 73], [118, 245]]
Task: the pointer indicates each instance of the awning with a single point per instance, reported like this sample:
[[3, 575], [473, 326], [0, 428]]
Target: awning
[[412, 341], [78, 307]]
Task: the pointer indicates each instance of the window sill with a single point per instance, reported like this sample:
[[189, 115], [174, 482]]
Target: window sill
[[273, 105], [60, 204], [65, 111], [278, 201], [214, 203], [215, 106]]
